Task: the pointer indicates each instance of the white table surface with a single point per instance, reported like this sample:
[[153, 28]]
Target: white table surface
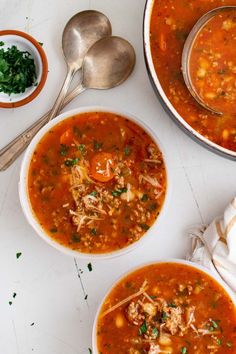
[[49, 291]]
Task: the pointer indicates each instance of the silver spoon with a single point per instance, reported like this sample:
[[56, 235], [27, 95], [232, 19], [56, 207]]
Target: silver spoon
[[107, 64], [80, 33]]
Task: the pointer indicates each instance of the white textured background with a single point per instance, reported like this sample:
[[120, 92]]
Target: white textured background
[[49, 292]]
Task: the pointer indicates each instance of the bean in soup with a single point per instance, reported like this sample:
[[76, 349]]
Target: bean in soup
[[96, 182]]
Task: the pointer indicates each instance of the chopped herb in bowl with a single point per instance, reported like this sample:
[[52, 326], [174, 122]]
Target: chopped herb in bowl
[[17, 70]]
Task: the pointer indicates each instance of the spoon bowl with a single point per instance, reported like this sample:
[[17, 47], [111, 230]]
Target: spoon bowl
[[81, 32], [108, 63]]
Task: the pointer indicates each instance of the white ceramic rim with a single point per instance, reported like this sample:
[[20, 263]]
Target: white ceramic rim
[[22, 43], [196, 266], [147, 48], [23, 190]]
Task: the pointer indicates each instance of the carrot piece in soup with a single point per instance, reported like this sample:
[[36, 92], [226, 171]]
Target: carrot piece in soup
[[162, 42], [67, 137], [102, 165]]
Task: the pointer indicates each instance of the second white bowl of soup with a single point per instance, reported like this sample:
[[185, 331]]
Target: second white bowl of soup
[[166, 307], [93, 182]]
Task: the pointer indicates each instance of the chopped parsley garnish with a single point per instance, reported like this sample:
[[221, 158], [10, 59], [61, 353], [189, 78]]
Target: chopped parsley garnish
[[93, 193], [1, 43], [144, 198], [164, 316], [71, 162], [128, 284], [184, 350], [93, 231], [17, 70], [219, 341], [40, 43], [18, 255], [82, 149], [45, 159], [64, 150], [90, 268], [97, 145], [32, 324], [143, 328], [90, 351], [152, 206], [86, 296], [10, 303], [53, 230], [75, 238], [127, 151], [172, 305], [77, 132], [144, 226], [155, 332], [214, 325], [118, 192], [14, 295], [214, 305]]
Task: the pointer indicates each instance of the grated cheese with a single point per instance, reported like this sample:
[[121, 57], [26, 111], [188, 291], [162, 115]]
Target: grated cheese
[[152, 180]]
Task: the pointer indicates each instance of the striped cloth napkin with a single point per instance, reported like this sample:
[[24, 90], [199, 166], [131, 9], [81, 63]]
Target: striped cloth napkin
[[215, 246]]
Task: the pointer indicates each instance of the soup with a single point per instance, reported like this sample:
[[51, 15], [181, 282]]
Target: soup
[[167, 308], [171, 22], [96, 182], [213, 65]]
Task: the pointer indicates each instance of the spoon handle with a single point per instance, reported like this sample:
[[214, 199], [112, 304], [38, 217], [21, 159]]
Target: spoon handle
[[11, 151], [62, 94]]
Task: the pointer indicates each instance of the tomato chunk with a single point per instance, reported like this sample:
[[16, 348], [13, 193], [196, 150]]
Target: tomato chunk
[[67, 137]]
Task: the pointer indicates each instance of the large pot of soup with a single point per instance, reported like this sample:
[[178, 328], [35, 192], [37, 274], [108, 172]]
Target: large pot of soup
[[167, 24]]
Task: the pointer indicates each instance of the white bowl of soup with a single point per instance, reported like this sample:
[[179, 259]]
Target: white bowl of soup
[[93, 182], [172, 306]]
